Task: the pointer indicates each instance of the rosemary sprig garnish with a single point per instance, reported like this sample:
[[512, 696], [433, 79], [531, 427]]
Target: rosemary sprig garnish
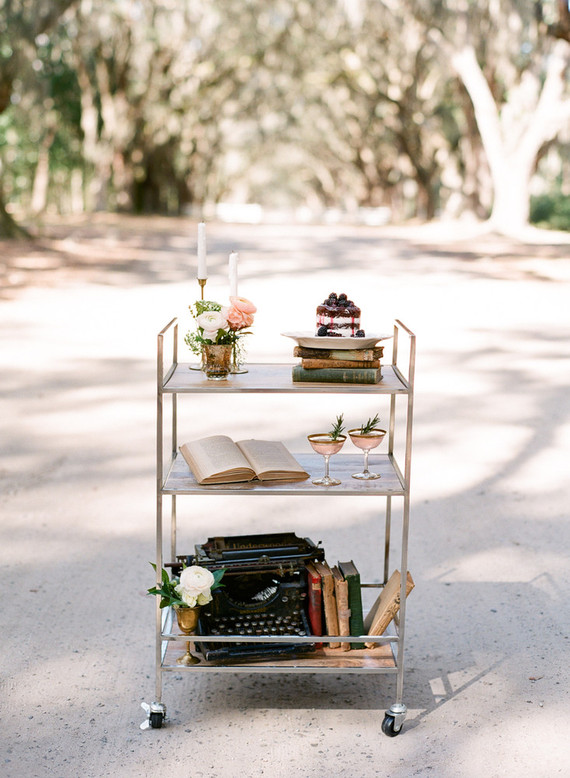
[[370, 426], [337, 427]]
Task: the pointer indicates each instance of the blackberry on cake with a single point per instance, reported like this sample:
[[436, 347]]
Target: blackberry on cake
[[338, 317]]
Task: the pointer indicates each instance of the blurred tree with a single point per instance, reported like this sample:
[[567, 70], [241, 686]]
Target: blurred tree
[[155, 105], [397, 124], [513, 66], [21, 22]]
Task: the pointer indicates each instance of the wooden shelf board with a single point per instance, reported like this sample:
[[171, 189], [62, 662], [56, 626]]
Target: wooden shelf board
[[274, 379], [376, 659], [180, 480]]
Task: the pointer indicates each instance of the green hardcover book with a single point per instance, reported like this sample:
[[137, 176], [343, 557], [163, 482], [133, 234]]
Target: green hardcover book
[[367, 354], [352, 577], [338, 375]]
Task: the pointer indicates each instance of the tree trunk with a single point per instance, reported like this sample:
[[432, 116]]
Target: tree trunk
[[9, 227], [41, 177], [511, 168]]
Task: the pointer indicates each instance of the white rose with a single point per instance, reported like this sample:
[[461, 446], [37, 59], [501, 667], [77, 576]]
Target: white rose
[[187, 598], [211, 322], [196, 580], [204, 599]]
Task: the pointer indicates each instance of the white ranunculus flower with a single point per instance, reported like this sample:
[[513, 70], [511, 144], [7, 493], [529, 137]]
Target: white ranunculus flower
[[196, 580], [191, 600], [211, 322]]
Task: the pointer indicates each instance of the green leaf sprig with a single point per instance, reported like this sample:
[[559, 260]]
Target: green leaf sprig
[[167, 590], [370, 426], [337, 427], [203, 306]]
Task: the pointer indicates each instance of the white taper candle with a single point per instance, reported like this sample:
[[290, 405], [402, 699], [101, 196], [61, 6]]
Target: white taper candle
[[233, 273], [202, 264]]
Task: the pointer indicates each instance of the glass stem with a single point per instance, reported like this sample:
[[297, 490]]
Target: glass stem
[[327, 457], [366, 452]]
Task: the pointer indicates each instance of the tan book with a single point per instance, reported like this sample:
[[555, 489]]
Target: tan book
[[313, 364], [342, 609], [386, 606], [360, 354], [329, 600], [218, 460]]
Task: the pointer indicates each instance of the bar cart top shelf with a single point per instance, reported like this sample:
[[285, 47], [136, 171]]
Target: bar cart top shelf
[[274, 378]]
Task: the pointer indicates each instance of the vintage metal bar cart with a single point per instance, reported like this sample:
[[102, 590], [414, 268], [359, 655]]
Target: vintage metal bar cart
[[173, 480]]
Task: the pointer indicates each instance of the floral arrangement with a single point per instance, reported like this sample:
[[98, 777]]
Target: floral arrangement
[[219, 325], [194, 587]]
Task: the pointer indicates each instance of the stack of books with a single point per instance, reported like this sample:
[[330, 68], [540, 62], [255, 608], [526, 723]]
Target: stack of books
[[343, 366], [335, 604]]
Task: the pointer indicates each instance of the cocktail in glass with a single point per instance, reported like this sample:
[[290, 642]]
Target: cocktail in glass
[[323, 444], [366, 441]]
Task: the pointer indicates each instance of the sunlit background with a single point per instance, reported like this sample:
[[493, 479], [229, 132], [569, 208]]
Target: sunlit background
[[356, 110]]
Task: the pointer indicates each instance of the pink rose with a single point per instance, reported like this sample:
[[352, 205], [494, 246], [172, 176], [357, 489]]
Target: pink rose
[[240, 313], [243, 305]]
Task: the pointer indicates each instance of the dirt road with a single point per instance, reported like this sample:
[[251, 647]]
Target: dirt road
[[487, 652]]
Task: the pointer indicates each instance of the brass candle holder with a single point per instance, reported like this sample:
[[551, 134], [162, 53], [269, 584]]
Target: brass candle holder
[[202, 282]]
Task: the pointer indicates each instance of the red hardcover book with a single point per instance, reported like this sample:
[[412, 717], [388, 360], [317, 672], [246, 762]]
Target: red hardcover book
[[315, 601]]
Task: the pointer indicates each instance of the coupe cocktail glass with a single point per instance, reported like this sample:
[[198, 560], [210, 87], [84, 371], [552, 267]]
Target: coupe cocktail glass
[[323, 444], [366, 441]]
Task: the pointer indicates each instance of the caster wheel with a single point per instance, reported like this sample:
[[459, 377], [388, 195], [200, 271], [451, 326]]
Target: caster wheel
[[388, 726], [156, 720]]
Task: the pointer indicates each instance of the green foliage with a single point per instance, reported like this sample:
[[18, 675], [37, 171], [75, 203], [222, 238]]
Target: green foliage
[[370, 426], [167, 590], [193, 342], [164, 105], [337, 428], [551, 211], [202, 306]]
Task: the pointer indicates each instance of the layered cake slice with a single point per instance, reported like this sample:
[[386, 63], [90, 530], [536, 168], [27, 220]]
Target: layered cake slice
[[338, 317]]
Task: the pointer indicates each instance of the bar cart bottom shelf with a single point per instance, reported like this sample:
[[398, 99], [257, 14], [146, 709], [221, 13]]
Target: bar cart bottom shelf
[[379, 659]]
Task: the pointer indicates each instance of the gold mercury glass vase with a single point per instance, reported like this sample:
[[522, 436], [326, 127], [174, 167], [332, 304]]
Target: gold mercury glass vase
[[216, 361], [187, 621]]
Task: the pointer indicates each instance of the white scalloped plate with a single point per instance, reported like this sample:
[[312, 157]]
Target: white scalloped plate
[[309, 340]]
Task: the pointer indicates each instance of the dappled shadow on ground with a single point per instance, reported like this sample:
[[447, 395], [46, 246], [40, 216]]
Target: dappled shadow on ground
[[487, 619], [450, 654], [127, 251]]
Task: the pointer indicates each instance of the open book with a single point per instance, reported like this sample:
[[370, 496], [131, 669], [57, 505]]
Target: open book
[[218, 460]]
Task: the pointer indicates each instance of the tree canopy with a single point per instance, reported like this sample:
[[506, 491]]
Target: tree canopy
[[425, 107]]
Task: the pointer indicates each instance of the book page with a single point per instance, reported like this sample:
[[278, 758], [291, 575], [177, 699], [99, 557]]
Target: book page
[[216, 459], [271, 460]]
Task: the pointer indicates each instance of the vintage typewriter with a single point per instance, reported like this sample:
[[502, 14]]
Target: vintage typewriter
[[264, 592]]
